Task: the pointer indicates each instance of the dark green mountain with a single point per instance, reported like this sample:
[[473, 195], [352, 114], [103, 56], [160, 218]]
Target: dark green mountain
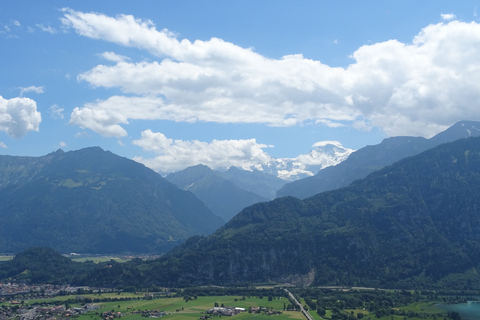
[[44, 265], [370, 158], [93, 201], [222, 196], [413, 224], [254, 181]]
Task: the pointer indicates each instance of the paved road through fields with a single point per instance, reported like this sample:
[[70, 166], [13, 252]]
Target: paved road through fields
[[305, 312]]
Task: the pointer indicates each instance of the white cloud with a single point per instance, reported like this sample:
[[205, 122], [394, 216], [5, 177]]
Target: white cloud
[[416, 88], [3, 145], [62, 144], [173, 155], [31, 89], [48, 29], [327, 142], [112, 56], [16, 23], [56, 112], [448, 16], [18, 116], [82, 134]]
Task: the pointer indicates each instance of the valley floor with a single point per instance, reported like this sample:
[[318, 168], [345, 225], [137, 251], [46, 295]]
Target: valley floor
[[180, 304]]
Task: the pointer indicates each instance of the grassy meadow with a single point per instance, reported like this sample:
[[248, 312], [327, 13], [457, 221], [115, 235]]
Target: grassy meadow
[[98, 259], [177, 308], [6, 257]]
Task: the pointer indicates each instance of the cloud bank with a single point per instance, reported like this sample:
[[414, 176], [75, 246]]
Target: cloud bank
[[416, 88], [174, 155], [18, 116]]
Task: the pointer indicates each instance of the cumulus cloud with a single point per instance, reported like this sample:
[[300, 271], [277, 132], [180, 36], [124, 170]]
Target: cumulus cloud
[[3, 145], [416, 88], [173, 155], [18, 116]]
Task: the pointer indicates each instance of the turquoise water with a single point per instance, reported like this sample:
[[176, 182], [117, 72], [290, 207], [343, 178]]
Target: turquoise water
[[470, 310]]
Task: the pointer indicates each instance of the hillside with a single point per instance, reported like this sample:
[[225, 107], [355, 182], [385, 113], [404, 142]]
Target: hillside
[[93, 201], [413, 224], [370, 158], [254, 181], [222, 196]]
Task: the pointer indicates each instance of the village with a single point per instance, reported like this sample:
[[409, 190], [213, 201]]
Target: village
[[57, 312], [232, 311]]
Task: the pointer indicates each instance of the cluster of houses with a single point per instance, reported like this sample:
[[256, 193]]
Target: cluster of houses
[[231, 311], [225, 311], [11, 289], [109, 315], [17, 288], [7, 312], [153, 313], [43, 313]]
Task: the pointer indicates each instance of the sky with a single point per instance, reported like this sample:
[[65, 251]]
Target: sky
[[174, 83]]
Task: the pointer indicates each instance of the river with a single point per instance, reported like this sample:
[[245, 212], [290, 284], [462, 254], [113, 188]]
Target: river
[[469, 310]]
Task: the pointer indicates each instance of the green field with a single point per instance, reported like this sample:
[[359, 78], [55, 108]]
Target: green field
[[98, 259], [178, 308], [5, 258], [193, 309]]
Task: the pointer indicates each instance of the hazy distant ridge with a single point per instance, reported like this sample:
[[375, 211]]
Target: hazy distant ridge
[[370, 158]]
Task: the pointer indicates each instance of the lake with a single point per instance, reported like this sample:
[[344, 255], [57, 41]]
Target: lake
[[469, 310]]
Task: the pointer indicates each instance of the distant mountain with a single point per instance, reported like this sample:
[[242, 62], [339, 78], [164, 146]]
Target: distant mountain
[[414, 224], [370, 158], [222, 196], [324, 154], [254, 181], [93, 201]]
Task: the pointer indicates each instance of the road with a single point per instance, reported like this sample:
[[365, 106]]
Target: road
[[305, 312]]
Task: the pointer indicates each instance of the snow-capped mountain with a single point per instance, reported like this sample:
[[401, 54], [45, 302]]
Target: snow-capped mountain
[[324, 154]]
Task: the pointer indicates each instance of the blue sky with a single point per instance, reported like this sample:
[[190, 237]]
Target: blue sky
[[176, 83]]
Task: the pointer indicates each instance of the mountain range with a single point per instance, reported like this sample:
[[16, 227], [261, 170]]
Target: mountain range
[[370, 158], [411, 225], [324, 154], [221, 195], [92, 201]]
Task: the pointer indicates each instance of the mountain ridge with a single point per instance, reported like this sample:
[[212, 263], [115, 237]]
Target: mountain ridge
[[410, 225], [370, 158], [223, 197], [396, 227], [94, 201]]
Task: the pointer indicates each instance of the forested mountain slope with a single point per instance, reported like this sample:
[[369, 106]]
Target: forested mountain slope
[[93, 201], [222, 197], [370, 158], [414, 223]]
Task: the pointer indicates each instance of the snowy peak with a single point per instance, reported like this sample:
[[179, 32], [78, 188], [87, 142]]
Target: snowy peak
[[324, 154]]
